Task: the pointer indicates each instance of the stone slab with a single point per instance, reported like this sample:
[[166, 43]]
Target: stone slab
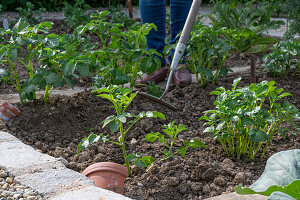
[[54, 181], [235, 196], [90, 193], [6, 137], [14, 98], [19, 158]]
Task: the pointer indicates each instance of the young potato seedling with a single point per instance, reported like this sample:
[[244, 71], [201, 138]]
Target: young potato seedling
[[121, 98]]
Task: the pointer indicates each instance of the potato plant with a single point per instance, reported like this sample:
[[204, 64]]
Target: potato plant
[[207, 49], [22, 35], [121, 98], [171, 132], [285, 55], [245, 119]]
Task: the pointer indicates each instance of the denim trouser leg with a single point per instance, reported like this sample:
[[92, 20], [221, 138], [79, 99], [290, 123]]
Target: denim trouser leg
[[154, 11], [179, 12]]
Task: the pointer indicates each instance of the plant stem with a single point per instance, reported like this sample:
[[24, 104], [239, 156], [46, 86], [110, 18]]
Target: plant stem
[[134, 74], [47, 92], [122, 141], [16, 77]]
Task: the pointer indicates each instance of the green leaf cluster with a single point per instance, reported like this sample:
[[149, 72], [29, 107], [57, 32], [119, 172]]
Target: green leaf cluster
[[247, 118], [171, 131], [284, 56], [208, 49], [246, 23], [120, 59]]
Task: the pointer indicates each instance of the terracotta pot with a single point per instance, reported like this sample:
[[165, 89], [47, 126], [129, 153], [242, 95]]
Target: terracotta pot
[[108, 175]]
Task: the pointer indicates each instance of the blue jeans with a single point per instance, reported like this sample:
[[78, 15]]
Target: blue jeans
[[154, 11]]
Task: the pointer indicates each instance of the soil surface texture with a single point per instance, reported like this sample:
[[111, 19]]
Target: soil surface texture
[[57, 128]]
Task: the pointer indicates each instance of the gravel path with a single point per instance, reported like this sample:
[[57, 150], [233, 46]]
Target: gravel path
[[11, 190]]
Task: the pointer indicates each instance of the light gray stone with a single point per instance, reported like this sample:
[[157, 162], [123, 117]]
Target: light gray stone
[[6, 137], [235, 196], [19, 158], [54, 181], [3, 174], [90, 193], [64, 161]]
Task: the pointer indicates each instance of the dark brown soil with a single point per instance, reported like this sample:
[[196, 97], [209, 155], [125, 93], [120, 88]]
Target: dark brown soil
[[58, 127]]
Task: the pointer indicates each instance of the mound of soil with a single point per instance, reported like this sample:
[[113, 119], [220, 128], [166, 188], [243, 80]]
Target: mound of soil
[[57, 127]]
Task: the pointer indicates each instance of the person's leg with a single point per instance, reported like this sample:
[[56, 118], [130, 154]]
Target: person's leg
[[154, 11], [179, 13]]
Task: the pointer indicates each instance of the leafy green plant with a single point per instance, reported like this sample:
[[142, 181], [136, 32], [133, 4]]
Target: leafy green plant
[[207, 49], [281, 177], [4, 75], [23, 35], [238, 16], [75, 13], [121, 98], [100, 26], [118, 16], [28, 12], [60, 58], [154, 90], [125, 56], [292, 7], [284, 55], [171, 131], [247, 118]]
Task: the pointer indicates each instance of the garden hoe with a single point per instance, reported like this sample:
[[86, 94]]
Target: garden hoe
[[179, 50]]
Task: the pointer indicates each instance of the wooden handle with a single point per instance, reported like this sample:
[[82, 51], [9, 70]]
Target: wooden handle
[[129, 2]]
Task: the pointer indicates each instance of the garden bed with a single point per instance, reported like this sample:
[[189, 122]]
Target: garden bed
[[57, 127]]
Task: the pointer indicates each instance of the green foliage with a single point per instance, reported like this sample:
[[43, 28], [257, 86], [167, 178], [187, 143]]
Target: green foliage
[[243, 120], [284, 55], [60, 56], [28, 12], [121, 98], [292, 7], [75, 13], [119, 17], [4, 75], [22, 35], [154, 90], [122, 58], [246, 24], [281, 177], [235, 16], [171, 131], [207, 49]]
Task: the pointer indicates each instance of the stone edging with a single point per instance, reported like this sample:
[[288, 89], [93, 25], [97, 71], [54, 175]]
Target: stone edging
[[46, 175]]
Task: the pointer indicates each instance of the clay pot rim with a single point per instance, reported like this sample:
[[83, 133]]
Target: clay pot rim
[[106, 166]]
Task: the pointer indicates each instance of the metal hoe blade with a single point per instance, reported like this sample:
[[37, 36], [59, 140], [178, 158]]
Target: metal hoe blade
[[158, 100], [179, 51]]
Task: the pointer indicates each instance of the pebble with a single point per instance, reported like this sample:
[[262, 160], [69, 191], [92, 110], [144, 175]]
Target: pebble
[[17, 196], [133, 141], [9, 180], [3, 175]]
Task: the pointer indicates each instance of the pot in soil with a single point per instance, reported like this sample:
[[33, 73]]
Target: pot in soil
[[108, 175]]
